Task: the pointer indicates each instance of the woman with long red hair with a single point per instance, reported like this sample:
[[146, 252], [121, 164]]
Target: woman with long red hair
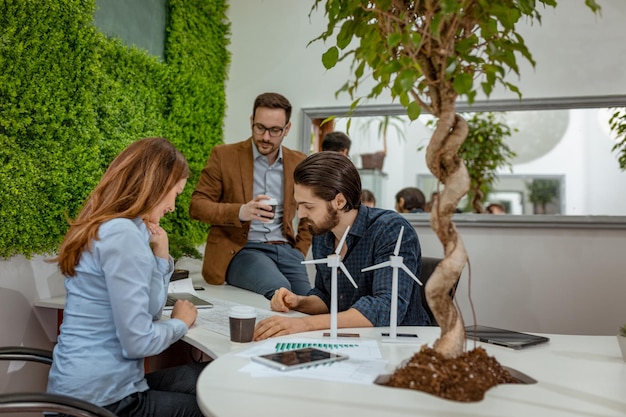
[[116, 260]]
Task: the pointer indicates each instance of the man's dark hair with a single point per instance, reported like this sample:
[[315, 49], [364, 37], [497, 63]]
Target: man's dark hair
[[413, 198], [328, 174], [272, 101], [336, 141]]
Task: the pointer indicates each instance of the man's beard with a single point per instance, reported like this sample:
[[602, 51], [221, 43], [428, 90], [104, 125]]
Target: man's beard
[[328, 222]]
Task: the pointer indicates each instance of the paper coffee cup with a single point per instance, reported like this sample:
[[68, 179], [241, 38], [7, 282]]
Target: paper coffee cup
[[242, 320], [272, 202]]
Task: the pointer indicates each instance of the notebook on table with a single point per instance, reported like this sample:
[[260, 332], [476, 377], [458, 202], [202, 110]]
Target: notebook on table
[[182, 289], [175, 296]]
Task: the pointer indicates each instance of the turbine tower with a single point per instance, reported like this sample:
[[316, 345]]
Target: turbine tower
[[333, 261], [395, 262]]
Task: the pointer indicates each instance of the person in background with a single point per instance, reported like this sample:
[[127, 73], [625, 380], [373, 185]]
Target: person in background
[[410, 200], [367, 198], [328, 190], [337, 142], [115, 258], [495, 208], [248, 245]]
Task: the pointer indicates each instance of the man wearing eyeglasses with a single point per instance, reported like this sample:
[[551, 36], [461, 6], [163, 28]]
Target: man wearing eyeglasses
[[253, 244]]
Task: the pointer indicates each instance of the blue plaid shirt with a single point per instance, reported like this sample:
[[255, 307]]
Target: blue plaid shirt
[[371, 240]]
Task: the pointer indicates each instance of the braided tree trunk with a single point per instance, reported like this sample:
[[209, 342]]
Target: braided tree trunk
[[445, 164]]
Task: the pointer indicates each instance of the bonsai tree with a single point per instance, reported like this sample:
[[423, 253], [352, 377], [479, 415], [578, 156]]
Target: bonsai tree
[[427, 54], [617, 123]]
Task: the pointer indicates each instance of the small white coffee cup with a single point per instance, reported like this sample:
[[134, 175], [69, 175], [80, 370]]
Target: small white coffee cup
[[242, 320]]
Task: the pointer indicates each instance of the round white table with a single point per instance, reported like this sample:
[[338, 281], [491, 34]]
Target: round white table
[[577, 376]]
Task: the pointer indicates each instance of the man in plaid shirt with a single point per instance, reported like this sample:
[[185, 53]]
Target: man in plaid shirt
[[328, 192]]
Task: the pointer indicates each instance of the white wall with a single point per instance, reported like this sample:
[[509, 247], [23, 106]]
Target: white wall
[[537, 279]]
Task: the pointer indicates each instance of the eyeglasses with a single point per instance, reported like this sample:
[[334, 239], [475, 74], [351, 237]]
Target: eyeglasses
[[260, 130]]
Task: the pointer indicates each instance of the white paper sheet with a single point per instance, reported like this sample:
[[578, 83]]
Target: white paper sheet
[[363, 366]]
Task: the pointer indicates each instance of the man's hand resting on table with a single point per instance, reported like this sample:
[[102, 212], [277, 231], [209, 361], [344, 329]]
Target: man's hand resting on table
[[284, 300], [279, 326]]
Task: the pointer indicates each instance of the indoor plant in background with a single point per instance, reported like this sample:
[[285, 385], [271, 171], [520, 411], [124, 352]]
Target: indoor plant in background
[[484, 151], [382, 125], [617, 123], [426, 54]]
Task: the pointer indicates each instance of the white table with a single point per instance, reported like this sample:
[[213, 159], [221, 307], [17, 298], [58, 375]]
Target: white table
[[577, 376], [215, 344]]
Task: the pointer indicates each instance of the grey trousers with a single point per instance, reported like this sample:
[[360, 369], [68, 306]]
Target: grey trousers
[[264, 268]]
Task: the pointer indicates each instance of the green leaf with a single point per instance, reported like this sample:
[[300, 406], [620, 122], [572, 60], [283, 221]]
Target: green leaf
[[413, 110], [394, 39], [329, 58], [463, 83], [391, 67], [344, 37]]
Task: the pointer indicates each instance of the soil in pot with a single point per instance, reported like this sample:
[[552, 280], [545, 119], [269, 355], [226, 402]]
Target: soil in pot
[[465, 379]]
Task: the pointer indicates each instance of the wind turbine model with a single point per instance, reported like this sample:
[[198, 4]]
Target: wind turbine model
[[395, 262], [333, 261]]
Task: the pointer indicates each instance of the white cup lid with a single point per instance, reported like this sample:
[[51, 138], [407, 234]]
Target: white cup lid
[[271, 201], [242, 312]]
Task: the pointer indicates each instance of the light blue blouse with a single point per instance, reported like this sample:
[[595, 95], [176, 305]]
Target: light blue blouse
[[110, 322]]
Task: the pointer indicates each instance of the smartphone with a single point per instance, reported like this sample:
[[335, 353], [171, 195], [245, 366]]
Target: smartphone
[[298, 358]]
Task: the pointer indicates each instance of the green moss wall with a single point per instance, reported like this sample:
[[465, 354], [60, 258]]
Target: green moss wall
[[71, 99]]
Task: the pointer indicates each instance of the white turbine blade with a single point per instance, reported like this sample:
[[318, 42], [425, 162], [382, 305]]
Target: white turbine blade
[[343, 239], [345, 271], [411, 274], [396, 251], [315, 261], [381, 265]]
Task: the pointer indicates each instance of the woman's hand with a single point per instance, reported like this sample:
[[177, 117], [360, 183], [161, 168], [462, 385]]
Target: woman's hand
[[158, 240], [185, 310]]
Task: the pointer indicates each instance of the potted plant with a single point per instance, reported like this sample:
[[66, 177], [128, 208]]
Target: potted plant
[[427, 54], [542, 192], [182, 247], [484, 151], [375, 160], [621, 339]]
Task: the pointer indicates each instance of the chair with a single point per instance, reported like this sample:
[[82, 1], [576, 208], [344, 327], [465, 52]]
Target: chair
[[25, 402], [428, 267]]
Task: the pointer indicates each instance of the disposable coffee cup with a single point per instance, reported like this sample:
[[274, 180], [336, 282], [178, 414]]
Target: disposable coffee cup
[[242, 320], [272, 202]]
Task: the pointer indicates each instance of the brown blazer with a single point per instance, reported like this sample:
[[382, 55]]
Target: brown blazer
[[225, 184]]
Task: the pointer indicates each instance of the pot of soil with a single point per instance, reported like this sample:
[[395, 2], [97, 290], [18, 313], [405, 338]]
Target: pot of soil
[[373, 160], [464, 379]]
